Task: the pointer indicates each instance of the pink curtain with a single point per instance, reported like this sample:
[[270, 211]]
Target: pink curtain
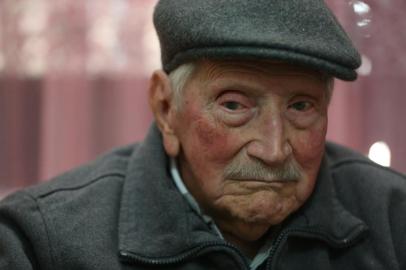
[[73, 80], [74, 76], [373, 108]]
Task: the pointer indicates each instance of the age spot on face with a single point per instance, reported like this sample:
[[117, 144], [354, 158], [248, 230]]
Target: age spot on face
[[211, 136]]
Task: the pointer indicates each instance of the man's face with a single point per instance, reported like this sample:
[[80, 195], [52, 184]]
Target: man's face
[[252, 138]]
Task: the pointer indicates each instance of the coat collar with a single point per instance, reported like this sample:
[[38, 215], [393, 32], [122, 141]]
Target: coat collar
[[325, 216], [156, 222]]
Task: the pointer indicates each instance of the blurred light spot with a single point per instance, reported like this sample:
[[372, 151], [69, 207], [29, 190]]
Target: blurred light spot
[[106, 53], [152, 49], [361, 7], [363, 22], [363, 17], [366, 67], [34, 54], [380, 153], [34, 16], [104, 32]]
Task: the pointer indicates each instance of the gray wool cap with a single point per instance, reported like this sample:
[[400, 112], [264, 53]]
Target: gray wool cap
[[303, 32]]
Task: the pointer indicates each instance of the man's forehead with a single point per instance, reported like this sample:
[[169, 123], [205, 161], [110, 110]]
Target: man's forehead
[[215, 69]]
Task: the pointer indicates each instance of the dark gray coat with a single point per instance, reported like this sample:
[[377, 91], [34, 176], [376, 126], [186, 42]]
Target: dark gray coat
[[124, 212]]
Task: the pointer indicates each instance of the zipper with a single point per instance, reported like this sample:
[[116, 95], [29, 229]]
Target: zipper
[[313, 233], [194, 252]]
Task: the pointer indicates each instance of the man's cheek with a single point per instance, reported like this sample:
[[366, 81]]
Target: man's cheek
[[214, 141], [309, 146]]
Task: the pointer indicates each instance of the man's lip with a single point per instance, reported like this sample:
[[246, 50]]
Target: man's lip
[[267, 181]]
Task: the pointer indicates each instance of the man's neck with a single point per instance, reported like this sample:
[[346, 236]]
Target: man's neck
[[249, 238], [248, 248]]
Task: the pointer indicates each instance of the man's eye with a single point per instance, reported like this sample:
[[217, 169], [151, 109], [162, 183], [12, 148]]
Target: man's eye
[[301, 106], [232, 105]]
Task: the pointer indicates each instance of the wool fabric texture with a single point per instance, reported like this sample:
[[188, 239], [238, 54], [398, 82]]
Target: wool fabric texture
[[302, 32]]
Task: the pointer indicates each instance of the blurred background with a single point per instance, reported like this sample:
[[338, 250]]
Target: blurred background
[[74, 76]]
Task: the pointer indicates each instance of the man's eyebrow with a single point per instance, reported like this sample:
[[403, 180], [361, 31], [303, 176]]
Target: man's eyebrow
[[233, 84]]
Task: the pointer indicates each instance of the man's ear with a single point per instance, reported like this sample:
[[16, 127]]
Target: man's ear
[[163, 107]]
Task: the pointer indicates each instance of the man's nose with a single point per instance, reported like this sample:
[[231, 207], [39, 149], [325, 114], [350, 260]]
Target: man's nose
[[270, 144]]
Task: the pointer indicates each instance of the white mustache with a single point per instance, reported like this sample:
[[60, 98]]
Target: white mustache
[[253, 169]]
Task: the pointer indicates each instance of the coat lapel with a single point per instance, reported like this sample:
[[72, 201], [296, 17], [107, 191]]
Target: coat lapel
[[324, 214], [155, 220]]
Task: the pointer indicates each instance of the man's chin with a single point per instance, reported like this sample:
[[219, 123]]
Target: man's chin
[[271, 217], [260, 210], [249, 225]]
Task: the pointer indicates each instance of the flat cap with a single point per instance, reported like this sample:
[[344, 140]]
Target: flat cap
[[303, 32]]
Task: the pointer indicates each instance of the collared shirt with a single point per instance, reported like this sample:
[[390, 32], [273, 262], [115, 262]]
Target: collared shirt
[[263, 253]]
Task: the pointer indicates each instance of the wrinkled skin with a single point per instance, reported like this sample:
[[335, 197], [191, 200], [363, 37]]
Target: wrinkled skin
[[245, 112]]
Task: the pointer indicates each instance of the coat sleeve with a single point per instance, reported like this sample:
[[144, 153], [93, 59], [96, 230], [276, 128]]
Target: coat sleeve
[[23, 234]]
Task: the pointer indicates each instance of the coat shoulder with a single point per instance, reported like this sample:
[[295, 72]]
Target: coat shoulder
[[112, 165], [69, 218], [347, 163], [376, 195]]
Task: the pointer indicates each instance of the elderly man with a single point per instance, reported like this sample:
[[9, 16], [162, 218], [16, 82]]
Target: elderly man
[[235, 172]]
